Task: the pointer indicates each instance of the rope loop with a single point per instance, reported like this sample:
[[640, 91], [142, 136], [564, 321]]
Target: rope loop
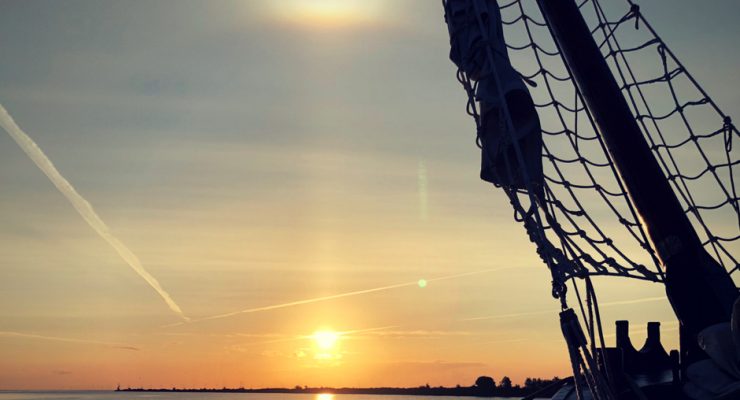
[[635, 13], [728, 127], [662, 52], [558, 291]]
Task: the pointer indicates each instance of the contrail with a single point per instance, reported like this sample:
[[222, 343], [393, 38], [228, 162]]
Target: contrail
[[68, 340], [81, 205], [337, 296]]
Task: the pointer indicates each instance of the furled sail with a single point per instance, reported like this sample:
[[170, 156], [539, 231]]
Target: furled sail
[[500, 91]]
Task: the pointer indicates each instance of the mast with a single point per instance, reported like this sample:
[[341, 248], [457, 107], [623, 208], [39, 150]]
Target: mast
[[699, 289]]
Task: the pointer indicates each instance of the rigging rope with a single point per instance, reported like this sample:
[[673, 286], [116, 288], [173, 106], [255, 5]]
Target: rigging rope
[[582, 184], [582, 219], [654, 126]]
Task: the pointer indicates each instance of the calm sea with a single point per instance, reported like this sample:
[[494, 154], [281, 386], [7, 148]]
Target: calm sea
[[205, 396]]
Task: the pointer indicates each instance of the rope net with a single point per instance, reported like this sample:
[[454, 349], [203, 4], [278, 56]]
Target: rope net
[[582, 219]]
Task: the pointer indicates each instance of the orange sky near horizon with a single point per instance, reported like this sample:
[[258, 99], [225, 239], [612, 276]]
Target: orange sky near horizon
[[301, 178]]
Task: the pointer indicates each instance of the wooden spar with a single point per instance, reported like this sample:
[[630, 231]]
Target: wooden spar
[[701, 292]]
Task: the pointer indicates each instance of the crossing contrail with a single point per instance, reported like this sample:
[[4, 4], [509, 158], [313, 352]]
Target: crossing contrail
[[340, 295], [123, 346], [83, 207]]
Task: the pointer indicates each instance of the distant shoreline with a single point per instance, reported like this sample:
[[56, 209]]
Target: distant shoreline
[[461, 391], [370, 391]]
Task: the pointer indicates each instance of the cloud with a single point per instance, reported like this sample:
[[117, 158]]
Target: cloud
[[506, 316], [447, 365], [127, 348], [526, 314], [114, 345], [635, 301], [62, 372], [226, 335], [419, 333], [665, 326]]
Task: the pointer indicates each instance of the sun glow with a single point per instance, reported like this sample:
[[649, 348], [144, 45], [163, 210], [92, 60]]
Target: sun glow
[[328, 13], [325, 396]]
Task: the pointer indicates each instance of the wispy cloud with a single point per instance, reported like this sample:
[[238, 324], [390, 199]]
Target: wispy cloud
[[438, 364], [635, 301], [417, 333], [507, 316], [281, 338], [83, 207], [542, 312], [114, 345], [62, 372], [225, 335], [665, 326]]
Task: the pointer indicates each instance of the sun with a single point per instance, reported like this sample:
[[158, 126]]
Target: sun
[[326, 339]]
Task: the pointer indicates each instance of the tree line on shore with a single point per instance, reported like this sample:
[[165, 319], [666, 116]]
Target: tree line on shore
[[485, 386]]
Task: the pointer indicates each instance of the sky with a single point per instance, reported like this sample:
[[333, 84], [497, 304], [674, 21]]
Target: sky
[[280, 168]]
